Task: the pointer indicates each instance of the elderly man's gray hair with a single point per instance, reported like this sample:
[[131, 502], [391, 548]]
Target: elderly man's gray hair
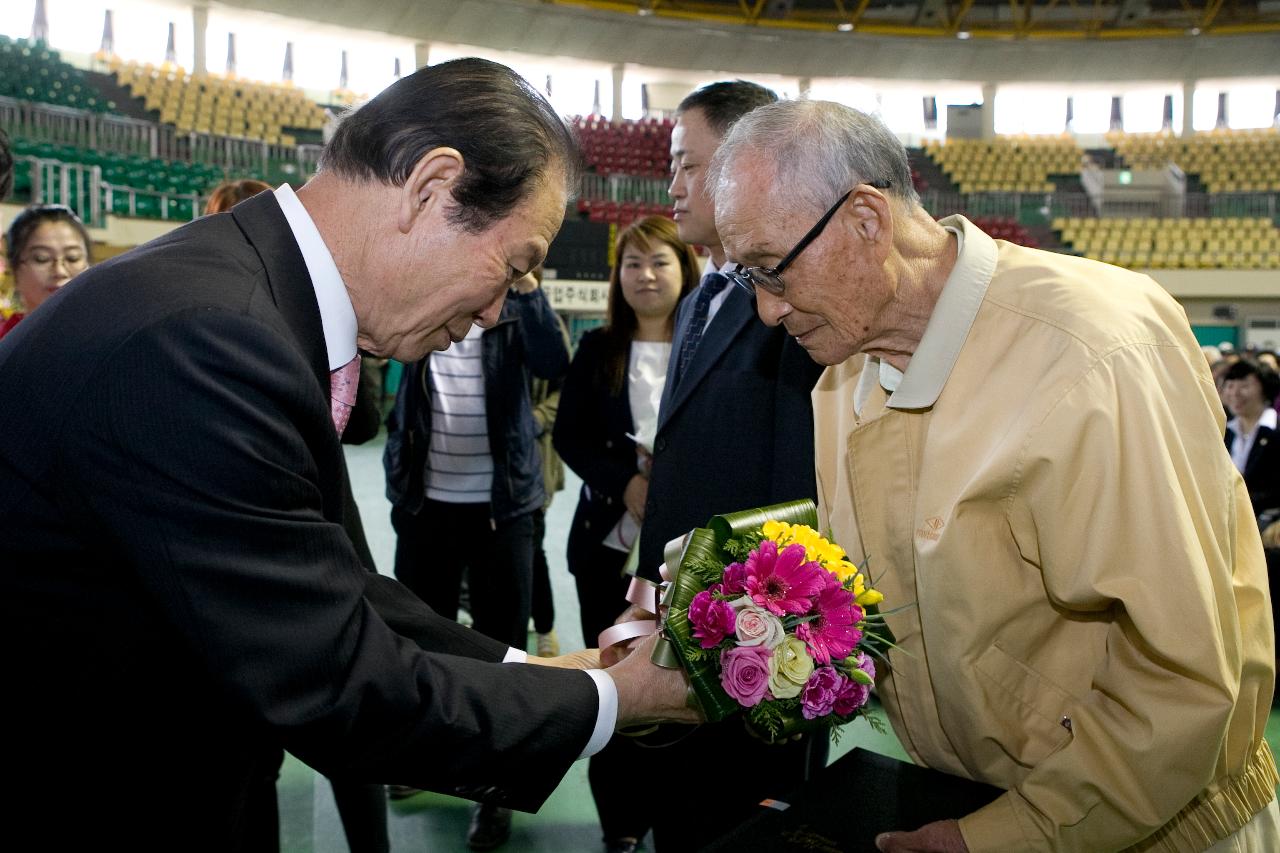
[[821, 150]]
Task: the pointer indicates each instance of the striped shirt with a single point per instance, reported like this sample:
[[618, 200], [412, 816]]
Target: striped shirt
[[459, 462]]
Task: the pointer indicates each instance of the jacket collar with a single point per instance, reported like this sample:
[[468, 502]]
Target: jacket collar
[[737, 311], [948, 327], [265, 228]]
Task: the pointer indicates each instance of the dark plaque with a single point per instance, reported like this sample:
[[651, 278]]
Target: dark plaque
[[849, 803]]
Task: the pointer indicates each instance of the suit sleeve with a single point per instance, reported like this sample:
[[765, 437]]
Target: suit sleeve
[[1131, 510], [206, 478], [581, 432]]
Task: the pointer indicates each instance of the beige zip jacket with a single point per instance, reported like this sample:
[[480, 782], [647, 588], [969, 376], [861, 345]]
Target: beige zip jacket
[[1049, 487]]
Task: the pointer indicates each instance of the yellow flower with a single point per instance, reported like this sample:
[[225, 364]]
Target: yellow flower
[[775, 530], [869, 597]]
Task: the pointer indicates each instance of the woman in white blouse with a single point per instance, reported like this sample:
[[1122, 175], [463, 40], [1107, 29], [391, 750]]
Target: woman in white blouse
[[605, 426]]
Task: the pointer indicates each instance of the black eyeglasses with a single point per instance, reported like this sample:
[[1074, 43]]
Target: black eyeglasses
[[769, 279]]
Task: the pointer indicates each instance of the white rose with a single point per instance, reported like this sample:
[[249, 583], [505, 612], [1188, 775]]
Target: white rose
[[789, 668], [756, 626]]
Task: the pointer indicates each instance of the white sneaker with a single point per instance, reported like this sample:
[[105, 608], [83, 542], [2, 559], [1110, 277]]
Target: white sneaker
[[548, 644]]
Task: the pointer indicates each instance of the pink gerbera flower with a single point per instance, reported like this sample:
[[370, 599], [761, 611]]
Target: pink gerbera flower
[[834, 633], [782, 582]]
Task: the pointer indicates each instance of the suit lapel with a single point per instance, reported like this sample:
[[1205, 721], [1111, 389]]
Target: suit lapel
[[266, 229], [733, 316], [1260, 447]]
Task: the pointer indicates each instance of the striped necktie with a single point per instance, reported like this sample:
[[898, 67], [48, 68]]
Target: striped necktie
[[712, 283]]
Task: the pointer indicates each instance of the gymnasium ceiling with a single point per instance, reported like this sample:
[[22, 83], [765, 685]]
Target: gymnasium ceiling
[[975, 40]]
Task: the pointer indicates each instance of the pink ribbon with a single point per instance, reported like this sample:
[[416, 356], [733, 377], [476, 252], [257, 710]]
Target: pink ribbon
[[641, 593]]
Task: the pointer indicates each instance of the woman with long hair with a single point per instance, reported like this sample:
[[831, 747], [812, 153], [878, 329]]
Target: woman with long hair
[[604, 431]]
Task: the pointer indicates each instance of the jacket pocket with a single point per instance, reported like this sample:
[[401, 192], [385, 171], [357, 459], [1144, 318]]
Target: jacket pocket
[[1030, 715]]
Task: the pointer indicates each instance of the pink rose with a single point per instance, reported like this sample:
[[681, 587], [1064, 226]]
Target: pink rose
[[711, 618], [820, 692], [758, 627], [744, 674]]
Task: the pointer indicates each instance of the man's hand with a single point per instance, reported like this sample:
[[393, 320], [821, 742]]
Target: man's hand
[[615, 654], [525, 283], [635, 494], [647, 693], [583, 659], [941, 836]]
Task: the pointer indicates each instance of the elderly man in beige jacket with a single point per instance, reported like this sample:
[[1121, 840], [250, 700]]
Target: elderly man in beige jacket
[[1028, 447]]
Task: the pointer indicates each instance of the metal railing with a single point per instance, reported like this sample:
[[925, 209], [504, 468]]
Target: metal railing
[[74, 185], [123, 135], [624, 188]]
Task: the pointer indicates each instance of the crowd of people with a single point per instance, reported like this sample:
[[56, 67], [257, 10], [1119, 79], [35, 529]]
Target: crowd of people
[[1028, 446]]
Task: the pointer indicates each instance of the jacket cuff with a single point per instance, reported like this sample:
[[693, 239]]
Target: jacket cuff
[[995, 828]]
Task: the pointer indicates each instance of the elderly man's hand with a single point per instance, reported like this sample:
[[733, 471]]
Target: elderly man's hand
[[941, 836], [615, 654], [650, 694]]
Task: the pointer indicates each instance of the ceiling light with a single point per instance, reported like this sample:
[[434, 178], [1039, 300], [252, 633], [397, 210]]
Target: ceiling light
[[963, 34], [845, 27]]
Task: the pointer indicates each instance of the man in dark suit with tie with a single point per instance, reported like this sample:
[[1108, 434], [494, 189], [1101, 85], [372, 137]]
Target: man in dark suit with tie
[[179, 596], [735, 430]]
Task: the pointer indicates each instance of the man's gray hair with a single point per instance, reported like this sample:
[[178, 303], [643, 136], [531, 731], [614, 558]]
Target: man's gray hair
[[821, 150]]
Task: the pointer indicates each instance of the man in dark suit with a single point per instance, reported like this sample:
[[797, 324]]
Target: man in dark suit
[[180, 598], [735, 431], [1250, 389]]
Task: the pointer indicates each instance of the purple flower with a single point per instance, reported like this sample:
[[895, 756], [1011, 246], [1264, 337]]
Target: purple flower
[[820, 692], [744, 674], [851, 697], [711, 618], [782, 582], [834, 633], [735, 579]]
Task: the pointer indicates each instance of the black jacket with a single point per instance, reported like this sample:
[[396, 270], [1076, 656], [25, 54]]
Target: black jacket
[[736, 432], [591, 437], [526, 338], [176, 580], [1261, 469]]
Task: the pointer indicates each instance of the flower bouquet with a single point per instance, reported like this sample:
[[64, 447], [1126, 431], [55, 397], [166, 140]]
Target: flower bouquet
[[769, 618]]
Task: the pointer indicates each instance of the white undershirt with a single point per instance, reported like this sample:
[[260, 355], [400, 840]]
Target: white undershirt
[[646, 377]]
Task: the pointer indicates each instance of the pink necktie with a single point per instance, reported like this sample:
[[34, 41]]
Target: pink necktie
[[342, 392]]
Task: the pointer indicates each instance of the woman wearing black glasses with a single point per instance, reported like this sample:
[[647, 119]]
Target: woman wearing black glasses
[[47, 246]]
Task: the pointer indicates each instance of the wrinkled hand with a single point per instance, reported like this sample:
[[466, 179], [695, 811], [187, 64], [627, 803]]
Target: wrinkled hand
[[582, 659], [634, 496], [650, 694], [616, 654], [941, 836]]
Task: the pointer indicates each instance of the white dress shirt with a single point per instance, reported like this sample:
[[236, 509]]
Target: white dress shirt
[[338, 319]]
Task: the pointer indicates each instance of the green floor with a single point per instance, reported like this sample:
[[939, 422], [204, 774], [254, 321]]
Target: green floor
[[428, 822]]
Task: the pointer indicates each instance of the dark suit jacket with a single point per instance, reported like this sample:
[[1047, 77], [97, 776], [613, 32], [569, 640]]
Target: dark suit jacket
[[179, 596], [1261, 469], [591, 437], [736, 432]]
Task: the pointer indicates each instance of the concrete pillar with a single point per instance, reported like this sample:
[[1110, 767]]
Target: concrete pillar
[[988, 110], [421, 54], [1188, 106], [619, 72], [199, 34]]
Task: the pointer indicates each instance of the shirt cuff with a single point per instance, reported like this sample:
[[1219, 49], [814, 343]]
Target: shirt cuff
[[607, 718]]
